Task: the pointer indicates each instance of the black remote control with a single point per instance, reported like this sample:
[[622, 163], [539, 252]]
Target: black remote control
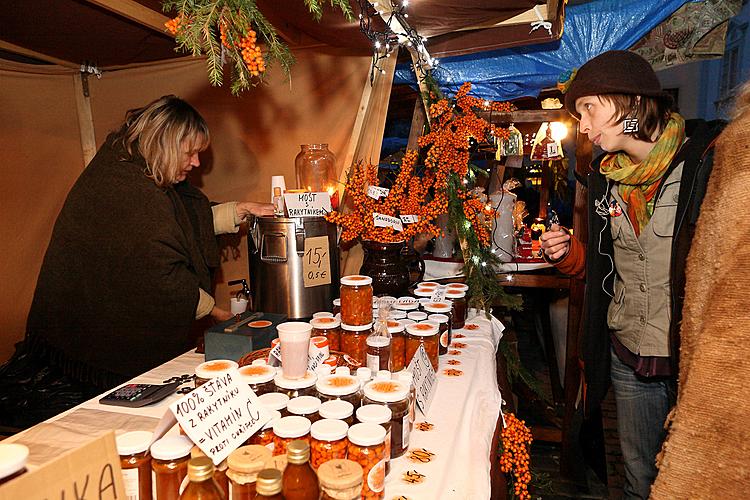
[[137, 395]]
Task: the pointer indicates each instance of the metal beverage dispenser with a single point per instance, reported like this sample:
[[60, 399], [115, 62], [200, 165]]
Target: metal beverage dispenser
[[276, 246]]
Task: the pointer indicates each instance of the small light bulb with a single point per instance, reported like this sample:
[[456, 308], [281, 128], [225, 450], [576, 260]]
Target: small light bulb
[[406, 15], [377, 44], [484, 264], [405, 3], [509, 277]]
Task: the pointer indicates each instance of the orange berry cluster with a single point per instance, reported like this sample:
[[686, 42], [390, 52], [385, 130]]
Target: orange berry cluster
[[174, 25], [476, 212], [516, 441], [247, 47]]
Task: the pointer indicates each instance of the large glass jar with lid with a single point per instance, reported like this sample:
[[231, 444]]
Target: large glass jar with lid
[[354, 341], [460, 307], [340, 479], [395, 395], [169, 463], [244, 464], [212, 369], [356, 300], [327, 441], [287, 429], [305, 406], [295, 387], [135, 462], [425, 334], [381, 415], [338, 409], [445, 331], [259, 378], [275, 401], [315, 168], [367, 448], [339, 386], [329, 328]]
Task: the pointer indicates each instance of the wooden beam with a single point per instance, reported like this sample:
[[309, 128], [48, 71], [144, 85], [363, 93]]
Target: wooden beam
[[526, 17], [37, 55], [552, 6], [527, 116], [134, 11]]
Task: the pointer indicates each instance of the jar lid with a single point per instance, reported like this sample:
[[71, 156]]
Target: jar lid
[[260, 361], [12, 458], [257, 374], [383, 375], [131, 443], [342, 370], [406, 304], [199, 469], [406, 322], [406, 377], [322, 314], [386, 300], [437, 307], [438, 318], [396, 314], [249, 459], [273, 400], [323, 369], [457, 286], [356, 280], [215, 368], [319, 341], [291, 427], [275, 415], [428, 284], [386, 391], [395, 327], [295, 383], [268, 482], [455, 294], [337, 302], [423, 329], [341, 474], [303, 405], [356, 328], [417, 315], [171, 447], [325, 323], [374, 414], [364, 373], [378, 341], [336, 408], [366, 434], [329, 430], [424, 292], [337, 385]]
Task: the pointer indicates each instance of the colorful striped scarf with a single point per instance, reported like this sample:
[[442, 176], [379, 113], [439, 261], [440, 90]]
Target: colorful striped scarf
[[637, 182]]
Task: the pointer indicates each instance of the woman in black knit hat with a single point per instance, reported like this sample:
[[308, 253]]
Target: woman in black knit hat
[[644, 195]]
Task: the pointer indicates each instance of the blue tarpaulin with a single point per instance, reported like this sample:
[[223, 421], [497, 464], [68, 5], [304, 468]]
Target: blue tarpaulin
[[589, 30]]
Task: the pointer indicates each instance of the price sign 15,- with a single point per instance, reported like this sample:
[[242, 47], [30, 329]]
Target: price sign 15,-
[[316, 262]]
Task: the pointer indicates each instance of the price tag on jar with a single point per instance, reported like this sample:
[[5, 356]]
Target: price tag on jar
[[376, 192], [220, 415], [425, 379], [409, 219], [382, 220], [316, 262], [307, 204], [438, 295]]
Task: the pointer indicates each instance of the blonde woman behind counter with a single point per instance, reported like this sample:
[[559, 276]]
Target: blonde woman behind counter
[[129, 266]]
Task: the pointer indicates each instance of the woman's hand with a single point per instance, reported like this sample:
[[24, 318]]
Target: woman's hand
[[555, 242], [245, 208], [219, 315]]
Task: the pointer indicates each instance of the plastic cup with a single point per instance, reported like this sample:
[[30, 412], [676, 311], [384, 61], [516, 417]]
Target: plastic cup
[[294, 337], [238, 305]]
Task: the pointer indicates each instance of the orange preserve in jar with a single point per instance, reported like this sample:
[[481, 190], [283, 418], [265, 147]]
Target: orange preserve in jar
[[340, 479], [426, 334], [169, 461], [259, 378], [356, 300], [328, 441], [244, 464], [329, 328], [445, 331], [212, 369], [287, 429], [460, 307], [354, 342], [367, 448], [135, 462], [220, 471], [305, 406], [264, 436], [381, 415], [394, 394], [339, 386]]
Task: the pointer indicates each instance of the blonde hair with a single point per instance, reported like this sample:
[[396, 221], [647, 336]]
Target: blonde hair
[[160, 132]]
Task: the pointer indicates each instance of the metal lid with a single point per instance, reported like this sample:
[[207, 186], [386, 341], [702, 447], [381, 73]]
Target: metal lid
[[356, 328], [329, 429], [131, 443], [325, 323], [356, 280], [200, 469], [374, 414], [337, 385], [268, 482], [12, 458], [171, 448], [337, 409], [437, 307], [303, 405], [341, 474], [423, 329], [274, 400], [417, 315], [257, 374], [366, 434], [386, 391], [249, 459], [298, 451], [295, 383], [215, 368], [291, 427], [438, 318]]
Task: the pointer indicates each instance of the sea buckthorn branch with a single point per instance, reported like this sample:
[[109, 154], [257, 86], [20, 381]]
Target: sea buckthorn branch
[[515, 460]]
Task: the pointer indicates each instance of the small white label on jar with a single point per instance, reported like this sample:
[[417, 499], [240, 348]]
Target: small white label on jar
[[376, 477], [373, 362], [130, 482], [388, 445], [405, 430], [444, 339]]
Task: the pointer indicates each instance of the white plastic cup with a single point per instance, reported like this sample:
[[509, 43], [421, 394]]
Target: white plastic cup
[[294, 337], [238, 305], [277, 181]]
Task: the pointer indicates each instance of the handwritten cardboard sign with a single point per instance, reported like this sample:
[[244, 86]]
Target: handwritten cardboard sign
[[438, 295], [274, 356], [307, 204], [376, 192], [425, 380], [316, 262], [91, 471], [409, 219], [220, 415], [382, 220]]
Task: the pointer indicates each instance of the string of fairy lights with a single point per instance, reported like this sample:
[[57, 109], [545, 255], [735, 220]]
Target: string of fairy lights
[[393, 32]]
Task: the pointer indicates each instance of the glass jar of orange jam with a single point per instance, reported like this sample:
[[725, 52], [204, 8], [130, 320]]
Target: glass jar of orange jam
[[135, 462], [170, 456], [259, 378], [354, 341], [287, 429], [329, 328], [328, 441], [356, 300], [427, 334]]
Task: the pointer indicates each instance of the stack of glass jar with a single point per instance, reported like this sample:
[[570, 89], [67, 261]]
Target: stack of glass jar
[[356, 316]]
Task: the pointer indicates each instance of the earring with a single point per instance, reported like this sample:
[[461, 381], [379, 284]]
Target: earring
[[630, 126]]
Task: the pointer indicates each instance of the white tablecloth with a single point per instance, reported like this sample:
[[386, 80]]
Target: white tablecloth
[[463, 412]]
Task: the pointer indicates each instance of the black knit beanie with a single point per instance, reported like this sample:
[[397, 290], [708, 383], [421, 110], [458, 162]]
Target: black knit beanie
[[613, 72]]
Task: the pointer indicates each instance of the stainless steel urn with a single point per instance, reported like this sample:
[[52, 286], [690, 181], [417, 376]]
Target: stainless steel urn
[[278, 259]]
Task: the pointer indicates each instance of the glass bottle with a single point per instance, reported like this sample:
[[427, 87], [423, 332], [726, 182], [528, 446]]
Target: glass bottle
[[220, 471], [340, 479], [169, 461], [244, 465], [202, 486], [135, 463], [300, 481], [315, 167], [268, 485]]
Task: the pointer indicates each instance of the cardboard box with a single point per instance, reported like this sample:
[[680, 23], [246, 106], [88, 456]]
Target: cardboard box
[[234, 345]]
